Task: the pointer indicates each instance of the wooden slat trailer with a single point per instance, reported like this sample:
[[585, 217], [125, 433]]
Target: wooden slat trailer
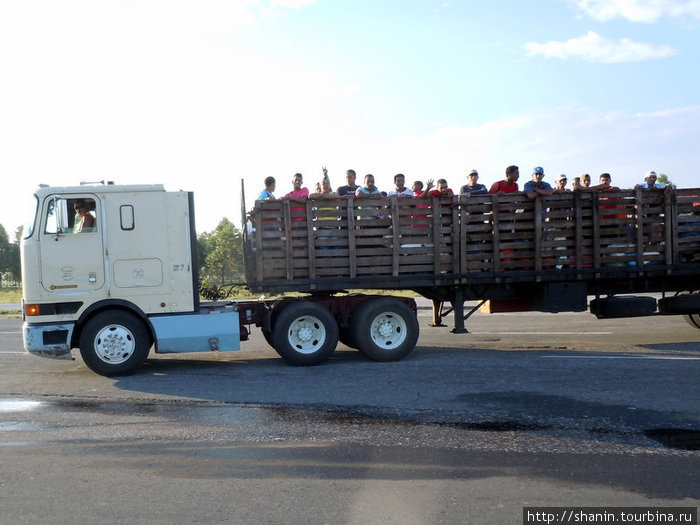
[[548, 254]]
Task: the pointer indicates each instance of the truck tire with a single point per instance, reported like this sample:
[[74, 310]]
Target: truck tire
[[385, 329], [114, 343], [687, 303], [274, 313], [347, 337], [305, 334], [622, 306], [693, 320]]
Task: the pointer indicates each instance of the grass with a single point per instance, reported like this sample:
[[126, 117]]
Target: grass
[[10, 295]]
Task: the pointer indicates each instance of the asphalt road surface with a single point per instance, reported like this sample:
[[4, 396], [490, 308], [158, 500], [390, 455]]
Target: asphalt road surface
[[526, 410]]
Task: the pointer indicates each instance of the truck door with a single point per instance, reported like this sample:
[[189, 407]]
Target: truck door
[[71, 251]]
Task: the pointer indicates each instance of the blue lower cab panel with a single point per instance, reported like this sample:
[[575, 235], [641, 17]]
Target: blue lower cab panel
[[197, 332]]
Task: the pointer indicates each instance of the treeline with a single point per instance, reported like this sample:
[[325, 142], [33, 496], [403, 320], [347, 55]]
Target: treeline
[[10, 268], [220, 255]]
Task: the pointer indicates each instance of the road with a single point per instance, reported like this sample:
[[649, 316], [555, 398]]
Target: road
[[527, 409]]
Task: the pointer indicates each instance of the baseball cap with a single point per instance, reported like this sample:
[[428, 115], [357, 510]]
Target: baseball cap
[[538, 171], [651, 174], [562, 177], [473, 172]]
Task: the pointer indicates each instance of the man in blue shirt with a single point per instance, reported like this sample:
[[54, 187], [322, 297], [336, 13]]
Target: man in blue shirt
[[650, 182], [473, 187], [537, 186]]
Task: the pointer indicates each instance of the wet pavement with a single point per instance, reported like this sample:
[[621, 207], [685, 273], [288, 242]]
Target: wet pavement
[[468, 429]]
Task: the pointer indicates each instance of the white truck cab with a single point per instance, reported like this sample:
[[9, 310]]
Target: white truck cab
[[112, 270]]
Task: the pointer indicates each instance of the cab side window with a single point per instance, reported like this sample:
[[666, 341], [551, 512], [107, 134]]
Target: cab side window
[[66, 215]]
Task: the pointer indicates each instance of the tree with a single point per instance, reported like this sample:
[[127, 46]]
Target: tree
[[222, 253], [5, 254], [663, 179]]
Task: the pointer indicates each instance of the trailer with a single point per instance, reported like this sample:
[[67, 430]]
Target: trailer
[[129, 283]]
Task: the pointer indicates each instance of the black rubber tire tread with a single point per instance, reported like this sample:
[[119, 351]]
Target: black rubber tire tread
[[693, 320], [361, 325], [681, 304], [287, 316], [274, 313], [627, 306], [114, 317], [347, 337]]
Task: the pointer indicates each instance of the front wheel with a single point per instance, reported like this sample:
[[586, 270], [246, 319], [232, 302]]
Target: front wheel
[[385, 329], [305, 333], [114, 343]]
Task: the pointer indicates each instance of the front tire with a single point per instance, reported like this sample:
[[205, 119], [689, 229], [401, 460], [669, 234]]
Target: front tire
[[385, 329], [114, 343], [305, 334]]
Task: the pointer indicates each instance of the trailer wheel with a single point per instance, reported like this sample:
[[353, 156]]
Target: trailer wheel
[[347, 337], [305, 333], [274, 313], [385, 329], [114, 343], [687, 304], [693, 320]]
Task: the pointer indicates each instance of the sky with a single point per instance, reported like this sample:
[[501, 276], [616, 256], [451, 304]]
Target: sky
[[200, 95]]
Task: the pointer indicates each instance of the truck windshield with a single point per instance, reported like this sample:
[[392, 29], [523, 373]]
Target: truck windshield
[[31, 219]]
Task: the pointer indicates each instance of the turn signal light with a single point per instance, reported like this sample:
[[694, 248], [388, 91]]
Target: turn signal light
[[31, 309]]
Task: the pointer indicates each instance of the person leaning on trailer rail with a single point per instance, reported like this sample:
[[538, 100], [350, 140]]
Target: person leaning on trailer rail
[[369, 190], [441, 190], [604, 183], [537, 186], [509, 184], [472, 187], [323, 188], [298, 194], [650, 182], [349, 189], [326, 214], [268, 193], [400, 189], [560, 184], [418, 194]]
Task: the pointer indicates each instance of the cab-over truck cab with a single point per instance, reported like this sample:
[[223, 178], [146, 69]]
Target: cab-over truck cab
[[119, 281]]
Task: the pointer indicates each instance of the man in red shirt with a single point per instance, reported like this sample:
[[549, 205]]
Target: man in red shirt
[[509, 185], [441, 190]]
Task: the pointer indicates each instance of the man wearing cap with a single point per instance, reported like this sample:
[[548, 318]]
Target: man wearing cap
[[650, 182], [560, 184], [537, 186], [473, 187]]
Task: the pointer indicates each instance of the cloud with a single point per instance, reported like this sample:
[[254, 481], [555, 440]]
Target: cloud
[[594, 48], [293, 4], [638, 10]]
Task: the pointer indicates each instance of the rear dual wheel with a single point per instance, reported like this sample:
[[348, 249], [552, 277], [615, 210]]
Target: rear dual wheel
[[384, 329], [304, 333]]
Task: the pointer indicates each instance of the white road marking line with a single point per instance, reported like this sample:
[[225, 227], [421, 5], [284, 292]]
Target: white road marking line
[[622, 357], [541, 333]]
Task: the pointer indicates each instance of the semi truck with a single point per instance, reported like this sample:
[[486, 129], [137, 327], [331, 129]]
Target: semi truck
[[129, 282]]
